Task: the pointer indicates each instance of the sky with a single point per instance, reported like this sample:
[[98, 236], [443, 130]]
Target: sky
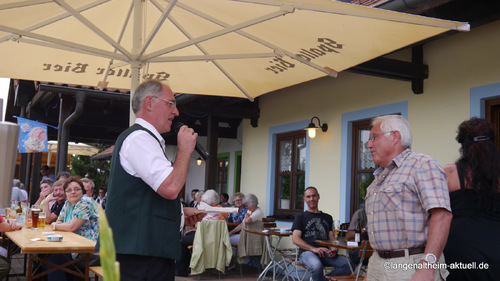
[[4, 91]]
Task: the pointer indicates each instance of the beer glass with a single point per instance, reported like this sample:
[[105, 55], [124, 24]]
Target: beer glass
[[35, 212], [41, 220]]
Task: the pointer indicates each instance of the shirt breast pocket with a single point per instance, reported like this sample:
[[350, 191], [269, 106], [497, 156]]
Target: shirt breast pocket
[[391, 197]]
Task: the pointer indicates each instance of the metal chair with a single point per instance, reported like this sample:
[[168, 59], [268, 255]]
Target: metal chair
[[293, 268], [366, 252]]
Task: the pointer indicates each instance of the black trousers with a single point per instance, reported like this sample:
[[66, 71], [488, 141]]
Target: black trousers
[[182, 266], [135, 268]]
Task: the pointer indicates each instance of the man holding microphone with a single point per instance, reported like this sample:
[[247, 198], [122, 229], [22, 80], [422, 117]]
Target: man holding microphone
[[143, 206]]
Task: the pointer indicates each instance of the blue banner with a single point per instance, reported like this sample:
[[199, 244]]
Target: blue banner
[[32, 136]]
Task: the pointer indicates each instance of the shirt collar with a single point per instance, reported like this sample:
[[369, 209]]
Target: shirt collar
[[397, 161], [151, 128]]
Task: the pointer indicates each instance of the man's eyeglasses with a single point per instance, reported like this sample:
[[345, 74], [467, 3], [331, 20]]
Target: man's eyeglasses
[[374, 136], [73, 190], [239, 200], [173, 104]]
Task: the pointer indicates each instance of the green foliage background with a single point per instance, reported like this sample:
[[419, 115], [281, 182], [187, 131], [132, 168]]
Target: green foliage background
[[97, 171]]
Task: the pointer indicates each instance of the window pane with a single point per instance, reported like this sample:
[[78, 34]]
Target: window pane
[[365, 160], [301, 154], [222, 172], [284, 192], [286, 156], [364, 179], [299, 192]]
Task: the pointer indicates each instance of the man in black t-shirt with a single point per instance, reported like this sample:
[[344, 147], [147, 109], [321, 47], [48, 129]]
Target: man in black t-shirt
[[315, 225]]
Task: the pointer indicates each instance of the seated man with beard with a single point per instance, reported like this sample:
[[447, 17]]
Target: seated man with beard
[[59, 197]]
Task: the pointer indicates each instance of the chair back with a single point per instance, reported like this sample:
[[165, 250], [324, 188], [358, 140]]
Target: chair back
[[269, 222], [211, 247], [251, 244], [366, 249], [343, 229]]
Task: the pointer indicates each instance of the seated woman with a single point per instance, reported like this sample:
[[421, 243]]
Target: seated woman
[[234, 234], [78, 215], [210, 198], [252, 214]]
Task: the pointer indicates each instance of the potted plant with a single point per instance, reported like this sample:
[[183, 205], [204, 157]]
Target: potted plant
[[285, 193]]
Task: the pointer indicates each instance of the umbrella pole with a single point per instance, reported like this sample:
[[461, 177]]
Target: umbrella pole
[[136, 46], [136, 72]]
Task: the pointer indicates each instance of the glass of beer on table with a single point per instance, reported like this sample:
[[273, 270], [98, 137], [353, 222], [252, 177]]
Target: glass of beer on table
[[41, 220], [35, 212]]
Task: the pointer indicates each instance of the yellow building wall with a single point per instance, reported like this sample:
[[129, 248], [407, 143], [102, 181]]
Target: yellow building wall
[[456, 63]]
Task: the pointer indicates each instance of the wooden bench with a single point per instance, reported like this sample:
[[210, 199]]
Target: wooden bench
[[97, 270]]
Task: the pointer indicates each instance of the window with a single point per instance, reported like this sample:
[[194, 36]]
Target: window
[[222, 174], [290, 173], [237, 172], [362, 164], [492, 114]]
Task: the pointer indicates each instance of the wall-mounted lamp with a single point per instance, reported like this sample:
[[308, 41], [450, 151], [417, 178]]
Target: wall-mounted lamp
[[198, 161], [311, 129]]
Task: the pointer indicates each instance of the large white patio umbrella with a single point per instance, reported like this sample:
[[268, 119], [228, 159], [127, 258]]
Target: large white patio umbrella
[[230, 48]]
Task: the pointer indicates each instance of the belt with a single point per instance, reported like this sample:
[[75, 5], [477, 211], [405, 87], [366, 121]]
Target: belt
[[400, 253]]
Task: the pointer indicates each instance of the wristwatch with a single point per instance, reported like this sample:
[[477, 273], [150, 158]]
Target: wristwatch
[[430, 258], [53, 226]]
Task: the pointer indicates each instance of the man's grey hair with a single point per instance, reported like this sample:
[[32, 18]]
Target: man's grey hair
[[63, 174], [16, 183], [147, 88], [59, 183], [251, 200], [48, 181], [87, 180], [395, 123], [210, 197]]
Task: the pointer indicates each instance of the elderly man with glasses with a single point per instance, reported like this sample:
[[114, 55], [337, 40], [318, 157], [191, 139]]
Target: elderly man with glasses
[[143, 206], [407, 206]]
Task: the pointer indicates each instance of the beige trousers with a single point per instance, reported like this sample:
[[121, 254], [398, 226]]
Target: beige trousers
[[402, 268]]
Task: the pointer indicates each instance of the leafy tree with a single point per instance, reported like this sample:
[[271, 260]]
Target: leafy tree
[[97, 171]]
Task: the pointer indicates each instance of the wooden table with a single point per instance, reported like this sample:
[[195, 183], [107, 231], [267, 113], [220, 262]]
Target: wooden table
[[269, 233], [33, 242], [338, 244]]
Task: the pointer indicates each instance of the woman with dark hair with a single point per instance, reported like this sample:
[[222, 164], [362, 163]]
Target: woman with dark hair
[[474, 185]]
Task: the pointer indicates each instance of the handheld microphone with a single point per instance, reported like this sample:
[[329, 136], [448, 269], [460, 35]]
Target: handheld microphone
[[199, 148]]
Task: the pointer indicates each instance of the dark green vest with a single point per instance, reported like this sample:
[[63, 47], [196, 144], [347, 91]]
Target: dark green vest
[[143, 222]]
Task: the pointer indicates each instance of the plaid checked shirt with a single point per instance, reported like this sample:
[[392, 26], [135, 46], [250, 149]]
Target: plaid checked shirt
[[399, 199]]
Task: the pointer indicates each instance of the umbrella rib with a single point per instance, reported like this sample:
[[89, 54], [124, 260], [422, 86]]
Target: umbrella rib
[[213, 57], [56, 18], [162, 19], [23, 4], [111, 61], [217, 33], [335, 7], [236, 84], [328, 71], [68, 45], [94, 28]]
